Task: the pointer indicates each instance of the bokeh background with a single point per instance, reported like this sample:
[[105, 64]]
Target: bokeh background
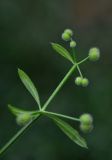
[[26, 30]]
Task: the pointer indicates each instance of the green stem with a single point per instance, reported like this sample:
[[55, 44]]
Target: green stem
[[85, 59], [18, 135], [59, 87], [26, 127], [39, 106], [74, 56], [79, 71], [60, 115], [75, 60], [22, 131]]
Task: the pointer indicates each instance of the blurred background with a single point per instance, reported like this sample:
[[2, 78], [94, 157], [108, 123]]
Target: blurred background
[[26, 30]]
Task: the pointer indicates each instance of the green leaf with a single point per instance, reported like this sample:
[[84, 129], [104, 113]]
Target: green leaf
[[29, 85], [16, 111], [62, 51], [69, 131]]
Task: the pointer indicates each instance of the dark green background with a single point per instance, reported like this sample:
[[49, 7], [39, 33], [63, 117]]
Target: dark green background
[[26, 30]]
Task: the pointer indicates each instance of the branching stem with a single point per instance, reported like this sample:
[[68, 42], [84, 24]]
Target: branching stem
[[22, 131], [27, 126], [75, 60]]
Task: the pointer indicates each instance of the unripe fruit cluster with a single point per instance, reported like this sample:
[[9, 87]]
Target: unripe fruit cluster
[[94, 54], [86, 123], [23, 118], [67, 34], [79, 81]]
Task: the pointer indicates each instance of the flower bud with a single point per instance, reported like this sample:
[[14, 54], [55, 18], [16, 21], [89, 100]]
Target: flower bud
[[72, 44], [23, 118], [78, 81], [94, 54], [86, 119], [66, 36], [86, 128], [85, 82], [69, 32]]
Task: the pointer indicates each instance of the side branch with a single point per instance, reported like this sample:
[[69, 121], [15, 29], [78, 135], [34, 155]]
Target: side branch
[[27, 126]]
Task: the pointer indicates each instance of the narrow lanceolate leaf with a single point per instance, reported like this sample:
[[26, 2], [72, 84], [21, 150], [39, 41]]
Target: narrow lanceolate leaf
[[16, 111], [62, 51], [29, 85], [69, 131]]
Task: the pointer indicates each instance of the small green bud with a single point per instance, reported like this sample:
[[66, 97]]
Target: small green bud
[[78, 81], [69, 32], [66, 36], [86, 128], [86, 119], [94, 54], [72, 44], [23, 118], [85, 82]]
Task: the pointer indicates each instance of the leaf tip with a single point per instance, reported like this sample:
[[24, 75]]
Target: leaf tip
[[21, 73], [9, 106], [85, 146], [52, 44], [19, 70]]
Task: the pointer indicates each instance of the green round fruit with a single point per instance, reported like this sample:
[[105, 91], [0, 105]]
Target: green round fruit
[[72, 44], [66, 36], [86, 128], [86, 119], [85, 82], [78, 81], [23, 119], [94, 54], [68, 31]]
